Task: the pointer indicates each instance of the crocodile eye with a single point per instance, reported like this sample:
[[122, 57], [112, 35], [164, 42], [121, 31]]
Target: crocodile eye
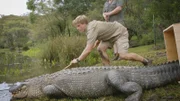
[[23, 87]]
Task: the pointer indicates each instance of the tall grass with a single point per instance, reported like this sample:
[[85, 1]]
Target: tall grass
[[62, 50]]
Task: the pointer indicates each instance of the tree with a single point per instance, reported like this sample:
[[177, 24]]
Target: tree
[[166, 11], [14, 32], [62, 10]]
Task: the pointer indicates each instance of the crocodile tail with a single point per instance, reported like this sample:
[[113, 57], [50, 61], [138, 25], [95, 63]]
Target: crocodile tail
[[157, 75], [166, 73]]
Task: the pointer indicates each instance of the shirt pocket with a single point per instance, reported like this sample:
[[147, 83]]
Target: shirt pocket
[[106, 7], [113, 5]]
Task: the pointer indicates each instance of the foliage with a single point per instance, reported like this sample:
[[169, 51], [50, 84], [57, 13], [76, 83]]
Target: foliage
[[73, 8], [147, 39], [62, 49], [144, 16], [166, 11], [141, 16], [14, 32], [34, 52], [47, 27], [32, 17], [51, 18], [61, 12], [95, 12]]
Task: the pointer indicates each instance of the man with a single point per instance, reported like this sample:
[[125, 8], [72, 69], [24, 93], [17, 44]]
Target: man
[[113, 11], [108, 34]]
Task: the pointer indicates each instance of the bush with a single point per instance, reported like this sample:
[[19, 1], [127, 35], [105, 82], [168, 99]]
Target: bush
[[147, 39], [63, 49], [25, 48]]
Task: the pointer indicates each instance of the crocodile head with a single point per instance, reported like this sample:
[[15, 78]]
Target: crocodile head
[[25, 90], [20, 90]]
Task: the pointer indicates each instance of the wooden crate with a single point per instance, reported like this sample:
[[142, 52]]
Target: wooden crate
[[172, 42]]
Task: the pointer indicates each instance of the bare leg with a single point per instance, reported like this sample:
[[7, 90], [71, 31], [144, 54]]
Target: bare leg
[[104, 58], [134, 57], [102, 51], [115, 49], [131, 56], [116, 54]]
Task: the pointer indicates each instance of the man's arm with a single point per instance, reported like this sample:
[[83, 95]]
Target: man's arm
[[84, 54], [115, 11], [86, 51]]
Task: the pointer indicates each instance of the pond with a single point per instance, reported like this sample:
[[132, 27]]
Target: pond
[[5, 95], [15, 67], [11, 65]]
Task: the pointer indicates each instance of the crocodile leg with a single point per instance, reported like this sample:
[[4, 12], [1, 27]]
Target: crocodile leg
[[118, 80], [52, 91], [132, 88]]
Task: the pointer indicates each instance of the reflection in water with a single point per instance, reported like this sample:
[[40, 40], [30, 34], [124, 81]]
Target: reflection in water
[[5, 95], [16, 67]]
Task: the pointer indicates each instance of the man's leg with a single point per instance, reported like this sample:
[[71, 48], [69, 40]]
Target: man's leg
[[123, 52], [116, 54], [103, 46], [134, 57]]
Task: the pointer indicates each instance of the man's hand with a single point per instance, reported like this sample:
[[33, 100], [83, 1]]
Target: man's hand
[[107, 14], [74, 61], [106, 17]]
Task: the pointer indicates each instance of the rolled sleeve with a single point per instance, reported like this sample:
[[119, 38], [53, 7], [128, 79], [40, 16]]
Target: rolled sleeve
[[91, 36]]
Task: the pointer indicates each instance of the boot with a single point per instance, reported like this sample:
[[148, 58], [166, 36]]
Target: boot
[[116, 57], [147, 62]]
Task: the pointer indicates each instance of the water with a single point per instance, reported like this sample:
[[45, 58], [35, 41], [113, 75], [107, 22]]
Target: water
[[5, 95], [11, 67]]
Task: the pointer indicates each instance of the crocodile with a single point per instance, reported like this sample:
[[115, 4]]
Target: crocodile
[[98, 81]]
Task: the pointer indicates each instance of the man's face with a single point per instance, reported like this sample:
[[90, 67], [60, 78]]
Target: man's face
[[81, 27]]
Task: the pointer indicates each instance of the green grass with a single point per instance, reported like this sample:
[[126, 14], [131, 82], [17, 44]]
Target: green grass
[[141, 49], [33, 52]]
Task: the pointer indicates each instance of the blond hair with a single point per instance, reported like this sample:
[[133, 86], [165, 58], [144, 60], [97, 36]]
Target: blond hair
[[81, 19]]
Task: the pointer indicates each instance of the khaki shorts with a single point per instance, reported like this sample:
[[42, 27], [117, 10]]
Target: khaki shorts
[[120, 46]]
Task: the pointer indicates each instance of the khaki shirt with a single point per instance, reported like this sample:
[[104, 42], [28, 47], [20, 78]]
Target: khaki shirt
[[104, 31]]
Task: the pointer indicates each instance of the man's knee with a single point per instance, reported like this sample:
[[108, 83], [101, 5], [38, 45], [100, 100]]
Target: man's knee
[[101, 48], [123, 56]]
